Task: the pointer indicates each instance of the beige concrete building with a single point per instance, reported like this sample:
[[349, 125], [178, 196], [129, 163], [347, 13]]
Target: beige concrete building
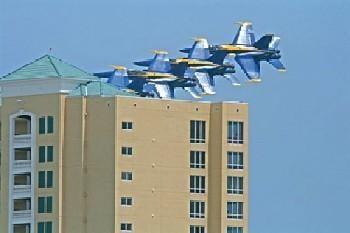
[[87, 158]]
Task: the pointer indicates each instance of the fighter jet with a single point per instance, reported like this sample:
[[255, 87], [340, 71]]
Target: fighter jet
[[248, 53], [200, 50], [192, 67], [155, 81]]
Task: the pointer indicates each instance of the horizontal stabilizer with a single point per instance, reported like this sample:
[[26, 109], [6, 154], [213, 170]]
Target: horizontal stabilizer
[[105, 75], [274, 43], [193, 91], [233, 79], [185, 50], [264, 42], [144, 63], [277, 64], [219, 57]]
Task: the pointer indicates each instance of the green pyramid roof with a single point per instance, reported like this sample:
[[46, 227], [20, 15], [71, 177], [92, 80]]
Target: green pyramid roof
[[48, 66], [100, 88]]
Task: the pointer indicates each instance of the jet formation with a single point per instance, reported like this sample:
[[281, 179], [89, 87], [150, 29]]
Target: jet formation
[[196, 73]]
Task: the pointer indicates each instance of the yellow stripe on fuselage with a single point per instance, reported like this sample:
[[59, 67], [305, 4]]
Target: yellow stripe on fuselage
[[154, 75], [236, 48], [193, 61]]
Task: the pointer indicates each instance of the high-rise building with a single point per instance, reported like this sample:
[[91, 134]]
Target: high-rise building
[[79, 156]]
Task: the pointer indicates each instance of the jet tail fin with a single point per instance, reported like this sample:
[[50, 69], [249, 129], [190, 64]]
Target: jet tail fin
[[118, 77], [277, 64], [274, 42], [200, 49], [245, 34], [159, 63]]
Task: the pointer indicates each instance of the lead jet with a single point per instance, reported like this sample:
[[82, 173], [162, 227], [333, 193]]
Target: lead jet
[[248, 53]]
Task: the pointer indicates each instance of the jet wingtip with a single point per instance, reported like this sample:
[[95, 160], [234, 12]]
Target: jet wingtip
[[255, 80], [244, 23], [116, 67]]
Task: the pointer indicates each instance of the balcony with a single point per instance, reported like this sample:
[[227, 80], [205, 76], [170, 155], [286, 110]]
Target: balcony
[[21, 216], [21, 209], [23, 140], [22, 185], [22, 166], [22, 191]]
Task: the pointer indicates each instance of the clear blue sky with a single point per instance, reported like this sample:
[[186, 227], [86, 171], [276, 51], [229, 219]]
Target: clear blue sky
[[299, 121]]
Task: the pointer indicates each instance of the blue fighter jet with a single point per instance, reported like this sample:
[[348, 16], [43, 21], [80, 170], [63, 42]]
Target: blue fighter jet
[[194, 66], [248, 53], [225, 62], [155, 81]]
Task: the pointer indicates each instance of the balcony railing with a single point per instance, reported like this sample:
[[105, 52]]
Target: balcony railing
[[22, 214], [22, 140], [22, 190], [22, 165]]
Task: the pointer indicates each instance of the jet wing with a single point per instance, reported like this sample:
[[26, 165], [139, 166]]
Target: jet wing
[[250, 66], [205, 82], [164, 91], [277, 64]]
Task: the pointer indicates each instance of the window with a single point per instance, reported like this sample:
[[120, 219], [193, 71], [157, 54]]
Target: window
[[235, 132], [234, 185], [196, 229], [126, 227], [235, 210], [197, 159], [45, 179], [21, 228], [49, 153], [45, 227], [42, 127], [197, 131], [126, 125], [197, 184], [127, 176], [126, 201], [42, 154], [46, 125], [197, 209], [126, 151], [234, 229], [45, 205], [234, 160], [49, 179], [50, 124], [45, 154]]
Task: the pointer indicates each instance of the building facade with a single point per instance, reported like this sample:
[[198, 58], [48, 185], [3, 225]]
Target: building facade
[[78, 156]]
